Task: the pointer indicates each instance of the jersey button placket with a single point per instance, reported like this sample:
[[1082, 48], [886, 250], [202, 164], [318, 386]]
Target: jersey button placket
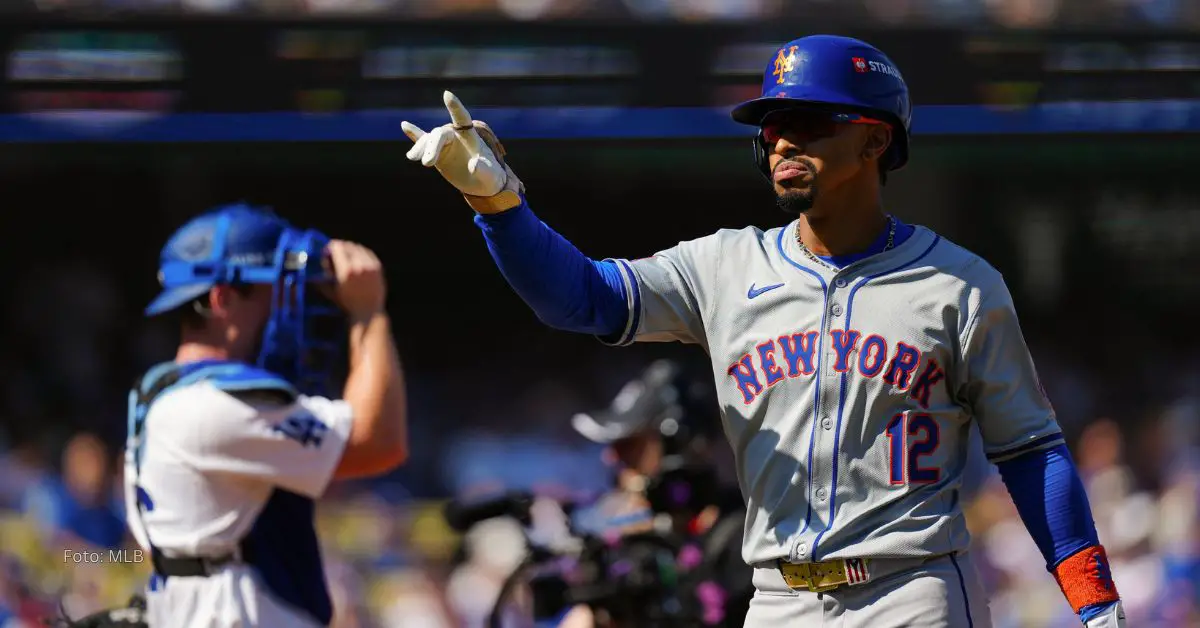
[[823, 452]]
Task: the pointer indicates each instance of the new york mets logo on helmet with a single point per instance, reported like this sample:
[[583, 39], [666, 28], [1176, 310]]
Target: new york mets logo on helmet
[[784, 63]]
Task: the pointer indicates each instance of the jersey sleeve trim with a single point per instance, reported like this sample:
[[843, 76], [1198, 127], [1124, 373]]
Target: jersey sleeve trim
[[1043, 442], [633, 300]]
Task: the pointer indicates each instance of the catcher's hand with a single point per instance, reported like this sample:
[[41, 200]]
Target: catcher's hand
[[467, 154]]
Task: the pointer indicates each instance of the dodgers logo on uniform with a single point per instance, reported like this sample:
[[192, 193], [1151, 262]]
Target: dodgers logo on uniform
[[784, 64], [304, 428]]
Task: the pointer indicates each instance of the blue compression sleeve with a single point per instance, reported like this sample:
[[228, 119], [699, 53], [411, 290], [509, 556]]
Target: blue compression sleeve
[[1049, 495], [566, 289]]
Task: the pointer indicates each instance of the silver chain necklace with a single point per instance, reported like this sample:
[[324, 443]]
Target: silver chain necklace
[[891, 241]]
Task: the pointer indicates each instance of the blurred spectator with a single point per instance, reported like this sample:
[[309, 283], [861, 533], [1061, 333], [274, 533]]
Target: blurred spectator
[[1151, 539], [493, 549], [1024, 13], [79, 508], [416, 600], [20, 606], [20, 468]]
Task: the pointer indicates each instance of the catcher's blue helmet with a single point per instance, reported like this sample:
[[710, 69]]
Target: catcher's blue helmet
[[839, 75], [238, 244]]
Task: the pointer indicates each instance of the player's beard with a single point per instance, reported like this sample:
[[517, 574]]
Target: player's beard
[[798, 201]]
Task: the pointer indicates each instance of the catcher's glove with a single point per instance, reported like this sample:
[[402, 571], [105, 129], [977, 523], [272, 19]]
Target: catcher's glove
[[131, 616]]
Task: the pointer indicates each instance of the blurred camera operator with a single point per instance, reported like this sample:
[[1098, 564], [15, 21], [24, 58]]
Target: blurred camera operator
[[659, 433]]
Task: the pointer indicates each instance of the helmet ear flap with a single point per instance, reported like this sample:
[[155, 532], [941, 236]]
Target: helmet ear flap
[[760, 155]]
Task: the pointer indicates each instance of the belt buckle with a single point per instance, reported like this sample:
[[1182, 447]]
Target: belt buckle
[[826, 576], [815, 577], [795, 575]]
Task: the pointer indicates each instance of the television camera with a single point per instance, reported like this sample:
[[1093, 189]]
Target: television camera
[[650, 570]]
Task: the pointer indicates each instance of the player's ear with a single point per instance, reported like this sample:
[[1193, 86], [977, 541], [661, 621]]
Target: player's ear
[[219, 299], [876, 142]]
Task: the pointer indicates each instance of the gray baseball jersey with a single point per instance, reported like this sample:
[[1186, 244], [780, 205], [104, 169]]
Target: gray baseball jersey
[[847, 396]]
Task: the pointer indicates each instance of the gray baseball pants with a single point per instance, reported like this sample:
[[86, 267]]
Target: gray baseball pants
[[939, 592]]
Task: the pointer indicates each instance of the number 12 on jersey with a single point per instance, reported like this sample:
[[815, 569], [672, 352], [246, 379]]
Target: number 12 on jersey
[[911, 437]]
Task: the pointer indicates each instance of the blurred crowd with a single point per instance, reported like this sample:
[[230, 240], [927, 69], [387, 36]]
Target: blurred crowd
[[392, 559], [1018, 13]]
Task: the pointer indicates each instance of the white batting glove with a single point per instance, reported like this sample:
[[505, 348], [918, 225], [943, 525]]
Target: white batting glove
[[1112, 617], [468, 154]]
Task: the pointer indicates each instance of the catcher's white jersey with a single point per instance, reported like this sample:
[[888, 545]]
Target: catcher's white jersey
[[847, 395], [223, 470]]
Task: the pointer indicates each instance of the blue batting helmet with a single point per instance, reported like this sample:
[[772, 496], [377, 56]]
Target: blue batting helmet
[[238, 244], [840, 75]]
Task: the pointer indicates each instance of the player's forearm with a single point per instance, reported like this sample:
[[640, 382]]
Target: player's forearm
[[566, 289], [1050, 497], [375, 390]]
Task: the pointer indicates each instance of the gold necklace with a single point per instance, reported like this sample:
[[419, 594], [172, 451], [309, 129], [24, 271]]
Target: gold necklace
[[891, 241]]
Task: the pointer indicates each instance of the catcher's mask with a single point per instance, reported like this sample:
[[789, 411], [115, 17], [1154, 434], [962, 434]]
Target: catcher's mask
[[238, 244]]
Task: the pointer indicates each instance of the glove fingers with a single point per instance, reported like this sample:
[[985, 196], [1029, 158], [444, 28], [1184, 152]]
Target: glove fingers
[[413, 131], [436, 144], [418, 148], [459, 116], [464, 126]]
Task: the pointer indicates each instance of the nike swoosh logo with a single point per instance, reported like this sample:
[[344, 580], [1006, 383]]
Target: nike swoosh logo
[[757, 291]]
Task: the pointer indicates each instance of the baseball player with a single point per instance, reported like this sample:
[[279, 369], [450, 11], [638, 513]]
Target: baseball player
[[852, 354], [230, 443]]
